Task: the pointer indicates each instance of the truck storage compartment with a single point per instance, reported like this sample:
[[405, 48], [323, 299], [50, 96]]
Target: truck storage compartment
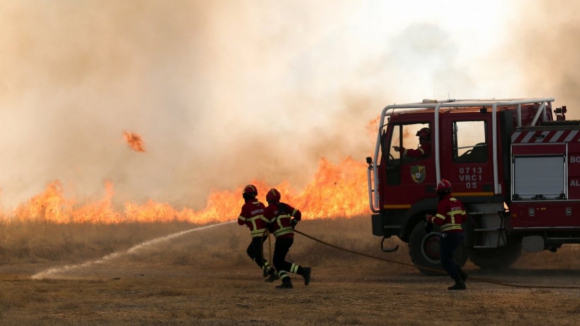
[[539, 177]]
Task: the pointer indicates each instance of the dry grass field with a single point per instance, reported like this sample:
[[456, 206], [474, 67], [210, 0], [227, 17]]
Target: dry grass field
[[205, 278]]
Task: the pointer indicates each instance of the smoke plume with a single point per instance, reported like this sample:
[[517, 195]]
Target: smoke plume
[[225, 92]]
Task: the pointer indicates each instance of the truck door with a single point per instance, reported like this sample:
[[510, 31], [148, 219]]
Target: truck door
[[407, 179], [466, 156]]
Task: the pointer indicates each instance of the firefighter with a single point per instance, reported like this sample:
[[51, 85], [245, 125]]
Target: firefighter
[[424, 149], [282, 219], [450, 215], [252, 216]]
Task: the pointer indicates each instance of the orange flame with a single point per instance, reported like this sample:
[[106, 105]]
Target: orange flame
[[134, 141], [336, 191], [372, 126]]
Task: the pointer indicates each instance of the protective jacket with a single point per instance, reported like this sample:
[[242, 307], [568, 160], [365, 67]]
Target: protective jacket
[[424, 150], [450, 215], [281, 219], [252, 216]]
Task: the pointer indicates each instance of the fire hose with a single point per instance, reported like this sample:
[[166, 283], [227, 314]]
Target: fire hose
[[471, 278]]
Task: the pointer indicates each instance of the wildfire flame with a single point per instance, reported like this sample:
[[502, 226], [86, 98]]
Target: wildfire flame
[[336, 191], [372, 127], [134, 141]]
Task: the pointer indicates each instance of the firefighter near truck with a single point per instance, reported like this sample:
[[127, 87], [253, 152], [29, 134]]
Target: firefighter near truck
[[513, 163]]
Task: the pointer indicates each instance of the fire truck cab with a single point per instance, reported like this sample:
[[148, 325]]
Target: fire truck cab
[[514, 163]]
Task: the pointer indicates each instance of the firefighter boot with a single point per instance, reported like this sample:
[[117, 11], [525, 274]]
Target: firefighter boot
[[459, 285], [273, 276], [306, 274], [266, 269], [286, 284]]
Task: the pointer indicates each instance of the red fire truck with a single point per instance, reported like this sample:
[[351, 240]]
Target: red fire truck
[[514, 163]]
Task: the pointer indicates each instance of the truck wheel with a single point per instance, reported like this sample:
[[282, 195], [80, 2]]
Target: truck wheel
[[424, 251], [498, 258]]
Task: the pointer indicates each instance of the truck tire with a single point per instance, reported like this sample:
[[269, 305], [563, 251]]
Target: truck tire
[[424, 251], [498, 258]]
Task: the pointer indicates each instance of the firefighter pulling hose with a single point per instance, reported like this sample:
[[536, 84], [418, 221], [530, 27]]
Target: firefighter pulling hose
[[282, 218], [252, 216], [279, 219]]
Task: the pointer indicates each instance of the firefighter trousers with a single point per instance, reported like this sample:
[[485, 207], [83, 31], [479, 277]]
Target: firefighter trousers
[[281, 249], [256, 252], [449, 242]]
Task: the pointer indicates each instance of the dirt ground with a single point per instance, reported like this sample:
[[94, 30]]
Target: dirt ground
[[205, 278]]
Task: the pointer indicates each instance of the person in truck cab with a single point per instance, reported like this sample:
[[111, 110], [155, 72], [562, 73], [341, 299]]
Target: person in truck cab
[[424, 149], [450, 215]]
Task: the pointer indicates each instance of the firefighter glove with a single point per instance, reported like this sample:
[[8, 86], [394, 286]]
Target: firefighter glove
[[294, 222]]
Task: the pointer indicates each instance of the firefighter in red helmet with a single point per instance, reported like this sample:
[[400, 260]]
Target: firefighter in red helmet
[[424, 149], [252, 216], [282, 219], [450, 215]]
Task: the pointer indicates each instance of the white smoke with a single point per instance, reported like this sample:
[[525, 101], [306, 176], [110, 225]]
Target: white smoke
[[223, 92]]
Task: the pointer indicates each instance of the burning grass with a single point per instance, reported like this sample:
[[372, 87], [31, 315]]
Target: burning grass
[[337, 190]]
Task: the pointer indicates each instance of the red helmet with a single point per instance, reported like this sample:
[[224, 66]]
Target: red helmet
[[424, 133], [443, 186], [251, 189], [273, 196]]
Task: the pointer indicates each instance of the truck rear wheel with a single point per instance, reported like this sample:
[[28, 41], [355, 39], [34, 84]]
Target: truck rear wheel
[[424, 251], [498, 258]]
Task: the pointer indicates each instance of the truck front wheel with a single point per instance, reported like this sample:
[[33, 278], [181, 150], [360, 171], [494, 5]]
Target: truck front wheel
[[424, 251]]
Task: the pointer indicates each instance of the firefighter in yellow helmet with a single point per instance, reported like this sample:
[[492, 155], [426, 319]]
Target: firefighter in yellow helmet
[[450, 215], [252, 216], [282, 219]]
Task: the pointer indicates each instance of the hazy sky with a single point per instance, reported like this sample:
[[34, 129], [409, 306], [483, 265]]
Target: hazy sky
[[223, 92]]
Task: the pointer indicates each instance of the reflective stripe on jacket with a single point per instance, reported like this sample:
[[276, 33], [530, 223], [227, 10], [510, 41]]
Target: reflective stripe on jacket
[[252, 216], [450, 214], [280, 216], [282, 225], [257, 229]]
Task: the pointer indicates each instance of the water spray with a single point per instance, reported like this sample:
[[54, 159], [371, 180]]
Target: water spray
[[51, 272]]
